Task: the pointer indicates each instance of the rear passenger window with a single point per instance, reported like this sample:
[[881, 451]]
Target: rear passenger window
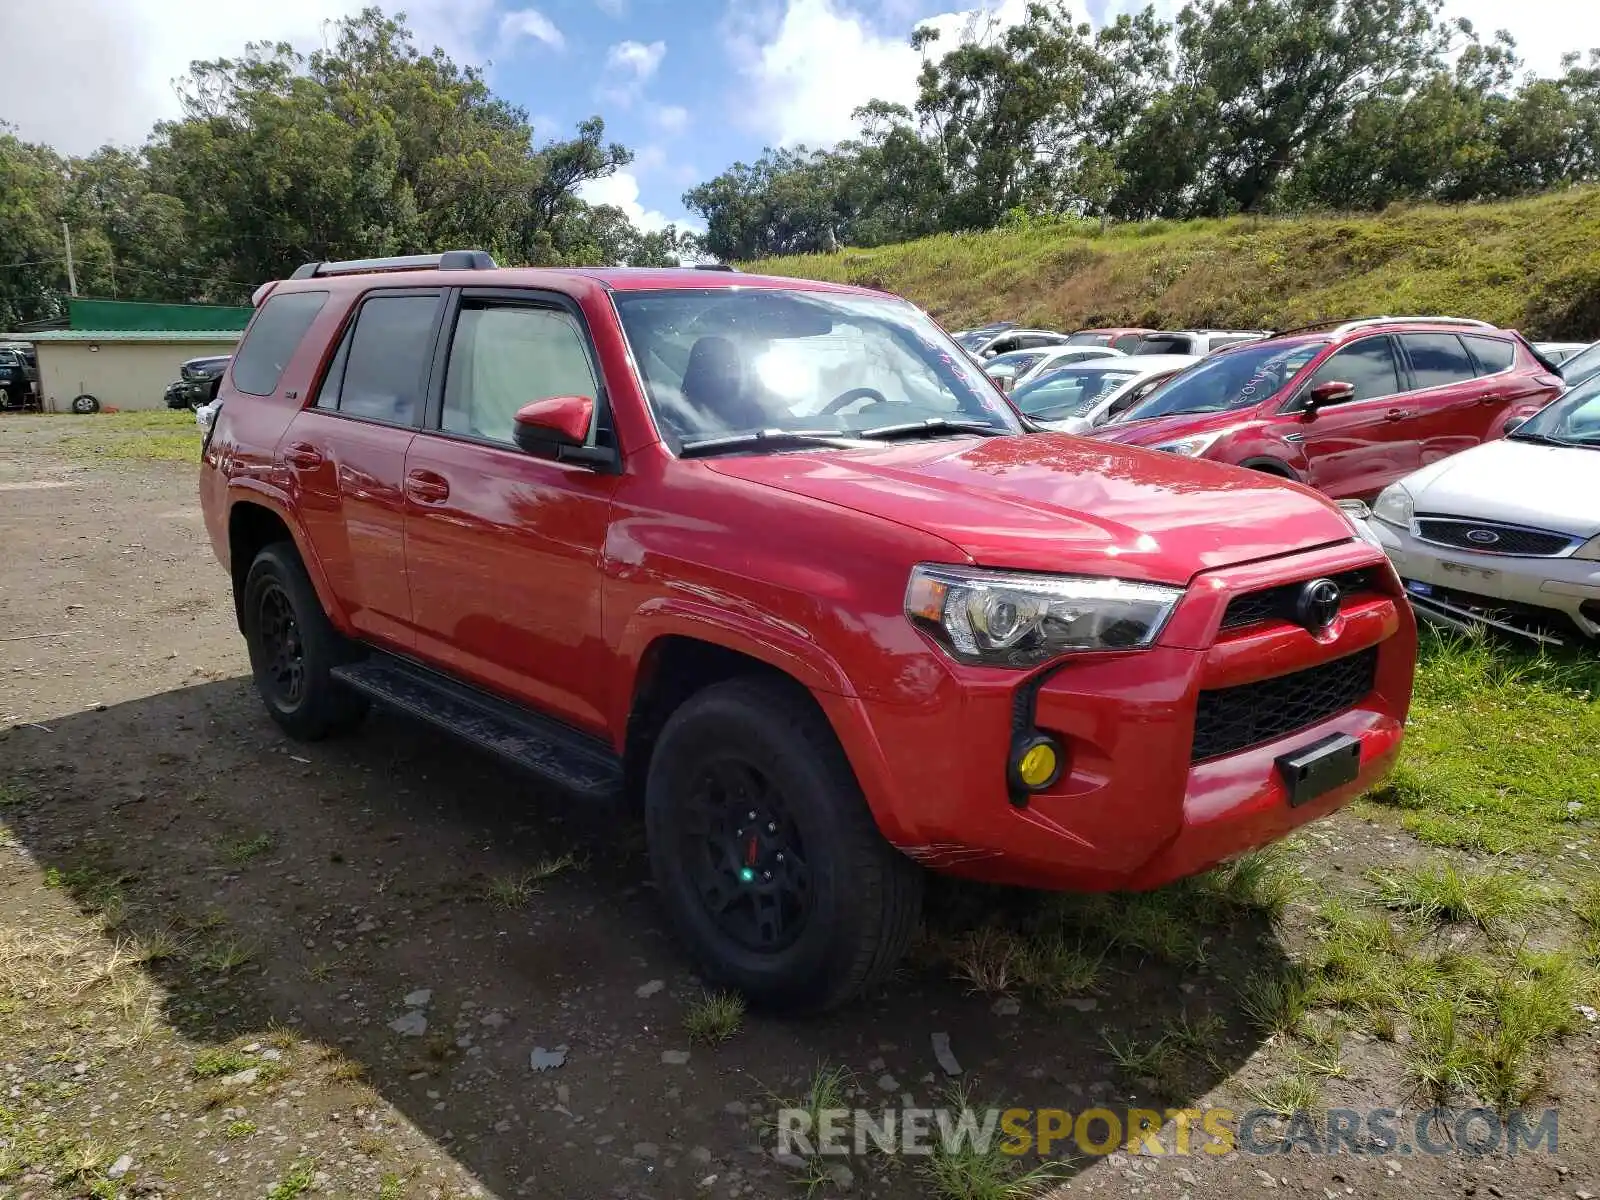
[[1127, 342], [1438, 359], [1368, 364], [273, 338], [502, 358], [383, 364], [1493, 354]]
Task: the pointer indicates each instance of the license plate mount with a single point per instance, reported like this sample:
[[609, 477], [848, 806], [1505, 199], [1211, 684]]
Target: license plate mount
[[1320, 767]]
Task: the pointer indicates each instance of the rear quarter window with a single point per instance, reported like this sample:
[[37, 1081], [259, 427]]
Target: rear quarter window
[[272, 339], [1492, 354]]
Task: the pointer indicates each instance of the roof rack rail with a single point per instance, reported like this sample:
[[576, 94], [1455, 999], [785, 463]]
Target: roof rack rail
[[716, 267], [450, 260], [1341, 324]]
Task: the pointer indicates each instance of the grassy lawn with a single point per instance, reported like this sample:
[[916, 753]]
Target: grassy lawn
[[164, 435], [1530, 264], [1503, 749]]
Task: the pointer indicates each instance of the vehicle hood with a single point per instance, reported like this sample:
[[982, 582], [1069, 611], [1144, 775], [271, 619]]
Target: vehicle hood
[[1048, 502], [1082, 426], [215, 362], [1520, 483], [1153, 431]]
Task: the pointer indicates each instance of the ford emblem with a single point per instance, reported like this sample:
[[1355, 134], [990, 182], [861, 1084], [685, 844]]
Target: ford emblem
[[1482, 537]]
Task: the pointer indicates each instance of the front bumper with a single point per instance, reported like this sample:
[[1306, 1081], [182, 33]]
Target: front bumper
[[1131, 809], [188, 393], [1462, 589]]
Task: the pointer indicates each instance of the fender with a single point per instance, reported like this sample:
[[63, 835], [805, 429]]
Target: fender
[[760, 636], [250, 489]]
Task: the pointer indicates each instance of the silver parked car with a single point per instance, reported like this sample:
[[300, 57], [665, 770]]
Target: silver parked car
[[1506, 534], [1080, 397], [1018, 367]]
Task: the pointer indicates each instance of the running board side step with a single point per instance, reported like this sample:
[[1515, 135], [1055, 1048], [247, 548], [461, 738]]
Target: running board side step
[[565, 757]]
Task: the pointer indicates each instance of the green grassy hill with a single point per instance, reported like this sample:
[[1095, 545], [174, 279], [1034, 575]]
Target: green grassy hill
[[1530, 264]]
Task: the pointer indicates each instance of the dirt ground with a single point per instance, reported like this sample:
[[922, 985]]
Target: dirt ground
[[264, 968]]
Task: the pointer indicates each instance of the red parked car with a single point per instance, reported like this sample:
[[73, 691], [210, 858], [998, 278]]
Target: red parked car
[[1347, 407], [770, 556], [1123, 339]]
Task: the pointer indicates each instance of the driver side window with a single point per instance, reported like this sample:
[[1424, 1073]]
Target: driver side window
[[503, 357], [1368, 364]]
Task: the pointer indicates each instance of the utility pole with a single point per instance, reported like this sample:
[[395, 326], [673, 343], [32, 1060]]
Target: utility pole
[[72, 278]]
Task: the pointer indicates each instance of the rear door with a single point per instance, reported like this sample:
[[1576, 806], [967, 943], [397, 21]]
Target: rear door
[[1450, 402], [345, 456], [1513, 382], [1357, 448]]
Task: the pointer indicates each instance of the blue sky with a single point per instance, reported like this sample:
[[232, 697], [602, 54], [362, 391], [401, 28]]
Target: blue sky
[[689, 85]]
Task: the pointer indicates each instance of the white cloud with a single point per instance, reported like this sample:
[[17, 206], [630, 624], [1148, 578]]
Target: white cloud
[[669, 118], [530, 23], [621, 189], [636, 59], [101, 71], [810, 63], [629, 66], [823, 60], [612, 8]]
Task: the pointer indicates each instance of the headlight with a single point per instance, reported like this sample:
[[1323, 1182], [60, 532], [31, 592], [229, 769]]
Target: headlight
[[1395, 506], [1191, 447], [1006, 619], [1590, 550], [1357, 514]]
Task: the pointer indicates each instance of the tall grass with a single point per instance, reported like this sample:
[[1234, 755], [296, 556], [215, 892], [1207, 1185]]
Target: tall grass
[[1528, 263]]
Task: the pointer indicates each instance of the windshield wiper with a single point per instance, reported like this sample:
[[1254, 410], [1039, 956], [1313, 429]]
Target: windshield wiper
[[931, 427], [768, 439], [1544, 439]]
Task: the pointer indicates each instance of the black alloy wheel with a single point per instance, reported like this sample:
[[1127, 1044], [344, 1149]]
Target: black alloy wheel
[[744, 854]]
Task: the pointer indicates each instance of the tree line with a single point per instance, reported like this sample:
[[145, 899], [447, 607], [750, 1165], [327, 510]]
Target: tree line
[[1256, 106], [367, 148]]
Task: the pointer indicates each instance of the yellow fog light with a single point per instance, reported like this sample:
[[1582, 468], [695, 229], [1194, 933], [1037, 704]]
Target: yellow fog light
[[1037, 763]]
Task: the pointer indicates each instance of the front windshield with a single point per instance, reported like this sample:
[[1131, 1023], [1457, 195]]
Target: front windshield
[[1230, 381], [974, 339], [1574, 419], [1581, 365], [1017, 362], [1071, 392], [718, 362]]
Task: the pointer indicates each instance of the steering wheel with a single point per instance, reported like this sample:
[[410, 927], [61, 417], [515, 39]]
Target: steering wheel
[[844, 399]]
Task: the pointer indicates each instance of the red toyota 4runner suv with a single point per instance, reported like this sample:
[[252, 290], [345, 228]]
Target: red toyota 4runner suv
[[1347, 407], [765, 553]]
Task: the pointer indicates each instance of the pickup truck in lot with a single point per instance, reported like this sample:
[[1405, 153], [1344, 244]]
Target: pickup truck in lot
[[769, 558]]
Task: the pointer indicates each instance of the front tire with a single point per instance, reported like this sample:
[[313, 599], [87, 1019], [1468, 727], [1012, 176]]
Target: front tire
[[766, 855], [294, 648]]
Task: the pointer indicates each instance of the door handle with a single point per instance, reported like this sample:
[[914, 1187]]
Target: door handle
[[1396, 414], [303, 456], [425, 487]]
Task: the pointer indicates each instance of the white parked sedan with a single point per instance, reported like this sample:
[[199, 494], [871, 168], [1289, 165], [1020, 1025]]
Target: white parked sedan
[[1085, 395], [1506, 534], [1013, 369]]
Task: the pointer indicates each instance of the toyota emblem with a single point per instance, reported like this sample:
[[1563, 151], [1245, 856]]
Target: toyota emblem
[[1318, 605], [1482, 537]]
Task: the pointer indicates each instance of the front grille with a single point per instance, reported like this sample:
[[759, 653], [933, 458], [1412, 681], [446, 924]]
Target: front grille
[[1235, 718], [1278, 603], [1490, 537]]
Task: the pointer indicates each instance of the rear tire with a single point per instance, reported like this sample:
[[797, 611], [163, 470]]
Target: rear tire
[[294, 648], [804, 905]]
